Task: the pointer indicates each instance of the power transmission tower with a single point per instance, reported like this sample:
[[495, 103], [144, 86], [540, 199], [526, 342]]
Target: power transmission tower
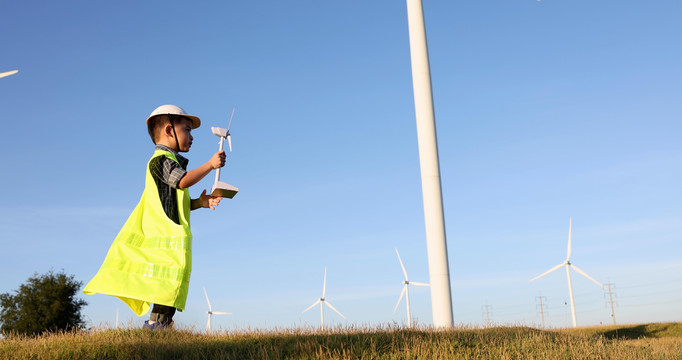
[[613, 312], [487, 315], [542, 309]]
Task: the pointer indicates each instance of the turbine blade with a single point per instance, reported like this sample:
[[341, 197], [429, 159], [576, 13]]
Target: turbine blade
[[419, 284], [229, 141], [401, 263], [207, 300], [585, 275], [230, 124], [402, 293], [312, 306], [208, 324], [568, 252], [324, 284], [548, 271], [8, 73], [333, 308], [221, 313]]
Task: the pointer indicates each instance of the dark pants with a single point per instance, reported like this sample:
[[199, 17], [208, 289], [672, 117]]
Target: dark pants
[[163, 314]]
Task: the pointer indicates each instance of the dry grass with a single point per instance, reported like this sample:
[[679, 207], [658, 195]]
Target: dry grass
[[650, 341]]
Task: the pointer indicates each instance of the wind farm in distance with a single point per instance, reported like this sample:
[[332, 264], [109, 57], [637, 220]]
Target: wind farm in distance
[[605, 292]]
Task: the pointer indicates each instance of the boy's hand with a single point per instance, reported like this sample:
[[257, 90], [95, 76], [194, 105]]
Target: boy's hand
[[218, 159], [209, 201]]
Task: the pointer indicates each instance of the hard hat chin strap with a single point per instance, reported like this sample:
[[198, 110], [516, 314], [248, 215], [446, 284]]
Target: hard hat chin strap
[[177, 143]]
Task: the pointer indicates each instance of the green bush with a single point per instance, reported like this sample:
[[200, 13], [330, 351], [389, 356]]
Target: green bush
[[44, 303]]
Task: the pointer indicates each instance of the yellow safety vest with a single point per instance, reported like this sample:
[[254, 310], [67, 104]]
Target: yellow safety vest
[[150, 260]]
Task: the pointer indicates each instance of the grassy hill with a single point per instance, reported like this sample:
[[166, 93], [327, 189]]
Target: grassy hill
[[646, 341]]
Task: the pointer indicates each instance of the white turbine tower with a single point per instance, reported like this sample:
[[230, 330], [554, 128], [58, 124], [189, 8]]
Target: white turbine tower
[[406, 291], [322, 301], [429, 164], [210, 312], [567, 263], [8, 73]]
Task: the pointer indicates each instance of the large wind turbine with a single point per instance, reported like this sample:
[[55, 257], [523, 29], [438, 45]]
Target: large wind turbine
[[323, 302], [429, 164], [406, 291], [210, 312], [8, 73], [567, 263]]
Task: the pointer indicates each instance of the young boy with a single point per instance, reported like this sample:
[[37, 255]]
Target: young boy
[[150, 260]]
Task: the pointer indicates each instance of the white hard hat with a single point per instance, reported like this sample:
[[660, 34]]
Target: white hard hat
[[174, 110]]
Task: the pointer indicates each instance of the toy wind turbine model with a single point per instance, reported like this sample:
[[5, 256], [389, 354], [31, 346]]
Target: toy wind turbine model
[[567, 263], [210, 312], [406, 291], [8, 73], [323, 302], [222, 188]]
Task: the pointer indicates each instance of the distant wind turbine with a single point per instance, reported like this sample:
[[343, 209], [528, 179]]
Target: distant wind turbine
[[210, 312], [406, 291], [322, 301], [8, 73], [567, 263]]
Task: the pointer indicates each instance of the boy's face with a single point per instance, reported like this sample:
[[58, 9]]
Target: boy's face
[[183, 129]]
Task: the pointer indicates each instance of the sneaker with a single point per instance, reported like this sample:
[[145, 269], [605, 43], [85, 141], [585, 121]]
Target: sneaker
[[156, 326]]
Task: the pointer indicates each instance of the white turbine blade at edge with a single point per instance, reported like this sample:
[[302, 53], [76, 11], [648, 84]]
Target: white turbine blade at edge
[[419, 284], [324, 283], [402, 293], [229, 141], [333, 308], [230, 124], [548, 271], [585, 275], [568, 252], [207, 300], [221, 313], [401, 263], [311, 306], [8, 73]]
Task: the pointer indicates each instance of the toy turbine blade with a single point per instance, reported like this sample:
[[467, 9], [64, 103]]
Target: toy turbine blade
[[229, 141], [230, 124]]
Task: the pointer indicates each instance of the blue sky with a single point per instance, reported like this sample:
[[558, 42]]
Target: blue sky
[[545, 110]]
